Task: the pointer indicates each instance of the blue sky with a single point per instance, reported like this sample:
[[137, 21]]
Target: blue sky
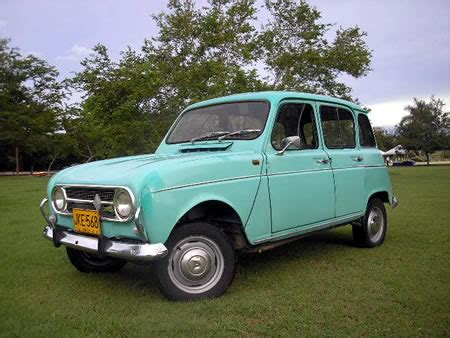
[[410, 40]]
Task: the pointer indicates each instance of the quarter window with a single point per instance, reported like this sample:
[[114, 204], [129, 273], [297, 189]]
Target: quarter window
[[295, 119], [366, 137], [338, 127]]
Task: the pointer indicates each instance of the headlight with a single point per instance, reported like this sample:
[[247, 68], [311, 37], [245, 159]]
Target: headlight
[[123, 203], [59, 200]]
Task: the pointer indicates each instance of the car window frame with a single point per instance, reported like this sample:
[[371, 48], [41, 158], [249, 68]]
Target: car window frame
[[177, 120], [338, 106], [317, 134]]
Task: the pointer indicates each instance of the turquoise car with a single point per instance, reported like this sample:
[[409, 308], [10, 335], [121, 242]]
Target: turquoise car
[[235, 174]]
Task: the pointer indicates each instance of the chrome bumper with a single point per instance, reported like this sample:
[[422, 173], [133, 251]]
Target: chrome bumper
[[394, 202], [105, 246]]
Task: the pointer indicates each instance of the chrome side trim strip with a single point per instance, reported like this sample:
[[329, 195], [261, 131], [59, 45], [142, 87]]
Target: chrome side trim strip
[[112, 248], [305, 230], [205, 182], [76, 200], [298, 171]]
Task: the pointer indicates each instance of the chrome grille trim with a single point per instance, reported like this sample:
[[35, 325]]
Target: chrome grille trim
[[72, 192]]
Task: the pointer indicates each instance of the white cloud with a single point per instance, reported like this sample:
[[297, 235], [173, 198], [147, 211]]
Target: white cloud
[[390, 113], [74, 54]]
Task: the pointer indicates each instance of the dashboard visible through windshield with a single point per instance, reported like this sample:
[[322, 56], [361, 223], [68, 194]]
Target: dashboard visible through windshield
[[212, 122]]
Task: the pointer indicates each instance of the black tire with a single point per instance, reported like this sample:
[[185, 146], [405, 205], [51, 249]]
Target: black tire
[[372, 230], [209, 263], [86, 262]]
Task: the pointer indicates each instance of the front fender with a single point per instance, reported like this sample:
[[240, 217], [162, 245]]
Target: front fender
[[162, 210]]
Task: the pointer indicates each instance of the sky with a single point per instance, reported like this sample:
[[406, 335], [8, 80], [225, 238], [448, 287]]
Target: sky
[[410, 41]]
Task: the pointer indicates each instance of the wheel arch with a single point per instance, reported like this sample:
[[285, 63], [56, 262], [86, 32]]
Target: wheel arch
[[383, 195], [218, 213]]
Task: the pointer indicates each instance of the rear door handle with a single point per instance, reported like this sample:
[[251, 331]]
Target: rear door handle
[[358, 158]]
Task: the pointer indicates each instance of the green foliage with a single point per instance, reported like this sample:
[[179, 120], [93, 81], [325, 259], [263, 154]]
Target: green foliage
[[426, 128], [201, 53], [30, 100], [385, 139], [299, 57]]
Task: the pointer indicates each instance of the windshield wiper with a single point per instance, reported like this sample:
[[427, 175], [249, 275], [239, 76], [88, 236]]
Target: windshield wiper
[[239, 132], [209, 135]]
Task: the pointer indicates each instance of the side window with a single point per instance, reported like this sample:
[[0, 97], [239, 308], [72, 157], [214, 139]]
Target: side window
[[295, 119], [366, 137], [338, 127], [330, 126], [347, 128]]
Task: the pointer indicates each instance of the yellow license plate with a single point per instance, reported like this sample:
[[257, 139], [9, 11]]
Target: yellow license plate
[[87, 221]]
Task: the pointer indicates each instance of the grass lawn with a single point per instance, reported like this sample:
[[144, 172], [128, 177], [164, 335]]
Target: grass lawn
[[321, 285]]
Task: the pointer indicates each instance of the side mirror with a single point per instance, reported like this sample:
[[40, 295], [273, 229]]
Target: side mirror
[[290, 141]]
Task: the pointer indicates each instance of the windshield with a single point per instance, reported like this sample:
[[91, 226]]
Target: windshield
[[221, 119]]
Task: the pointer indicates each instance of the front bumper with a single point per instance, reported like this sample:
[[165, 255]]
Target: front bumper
[[105, 246]]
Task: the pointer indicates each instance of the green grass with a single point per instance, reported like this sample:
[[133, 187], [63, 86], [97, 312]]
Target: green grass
[[321, 285]]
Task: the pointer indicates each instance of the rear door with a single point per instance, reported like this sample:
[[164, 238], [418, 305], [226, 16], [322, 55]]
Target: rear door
[[347, 162], [300, 181]]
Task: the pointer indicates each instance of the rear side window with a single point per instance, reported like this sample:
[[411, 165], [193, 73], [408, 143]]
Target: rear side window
[[338, 127], [366, 137]]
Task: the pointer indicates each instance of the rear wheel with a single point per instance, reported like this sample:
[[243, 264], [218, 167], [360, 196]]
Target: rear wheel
[[87, 262], [372, 230], [201, 263]]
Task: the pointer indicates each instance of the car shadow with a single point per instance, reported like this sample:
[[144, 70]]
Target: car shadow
[[141, 280], [323, 243]]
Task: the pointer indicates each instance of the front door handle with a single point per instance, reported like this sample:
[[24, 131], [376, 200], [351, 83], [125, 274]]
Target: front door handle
[[323, 161], [358, 158]]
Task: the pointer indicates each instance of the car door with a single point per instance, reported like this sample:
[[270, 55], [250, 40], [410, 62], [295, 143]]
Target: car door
[[347, 162], [300, 180]]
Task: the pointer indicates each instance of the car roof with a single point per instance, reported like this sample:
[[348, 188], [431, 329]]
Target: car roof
[[275, 96]]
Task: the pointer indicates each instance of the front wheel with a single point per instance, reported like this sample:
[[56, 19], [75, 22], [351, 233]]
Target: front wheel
[[86, 262], [201, 263], [372, 230]]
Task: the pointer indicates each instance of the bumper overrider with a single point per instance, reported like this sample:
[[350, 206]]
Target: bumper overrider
[[394, 202], [103, 246]]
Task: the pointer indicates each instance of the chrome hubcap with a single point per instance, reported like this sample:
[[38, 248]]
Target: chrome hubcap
[[195, 264], [376, 224]]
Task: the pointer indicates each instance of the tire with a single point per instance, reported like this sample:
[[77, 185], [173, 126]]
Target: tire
[[372, 230], [201, 263], [86, 262]]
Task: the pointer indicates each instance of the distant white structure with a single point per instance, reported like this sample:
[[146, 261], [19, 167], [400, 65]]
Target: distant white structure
[[396, 151]]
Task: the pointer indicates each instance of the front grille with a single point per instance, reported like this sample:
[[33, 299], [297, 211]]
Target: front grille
[[83, 198], [105, 194]]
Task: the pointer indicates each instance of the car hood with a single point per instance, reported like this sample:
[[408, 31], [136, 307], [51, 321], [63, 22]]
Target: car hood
[[117, 171], [160, 172]]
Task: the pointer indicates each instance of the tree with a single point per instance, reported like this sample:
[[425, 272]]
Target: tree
[[426, 128], [385, 140], [201, 53], [30, 99], [299, 56]]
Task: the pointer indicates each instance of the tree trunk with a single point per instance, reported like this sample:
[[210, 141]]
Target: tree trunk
[[50, 165], [428, 158], [17, 160]]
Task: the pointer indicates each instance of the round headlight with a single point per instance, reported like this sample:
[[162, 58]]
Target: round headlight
[[59, 201], [123, 203]]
